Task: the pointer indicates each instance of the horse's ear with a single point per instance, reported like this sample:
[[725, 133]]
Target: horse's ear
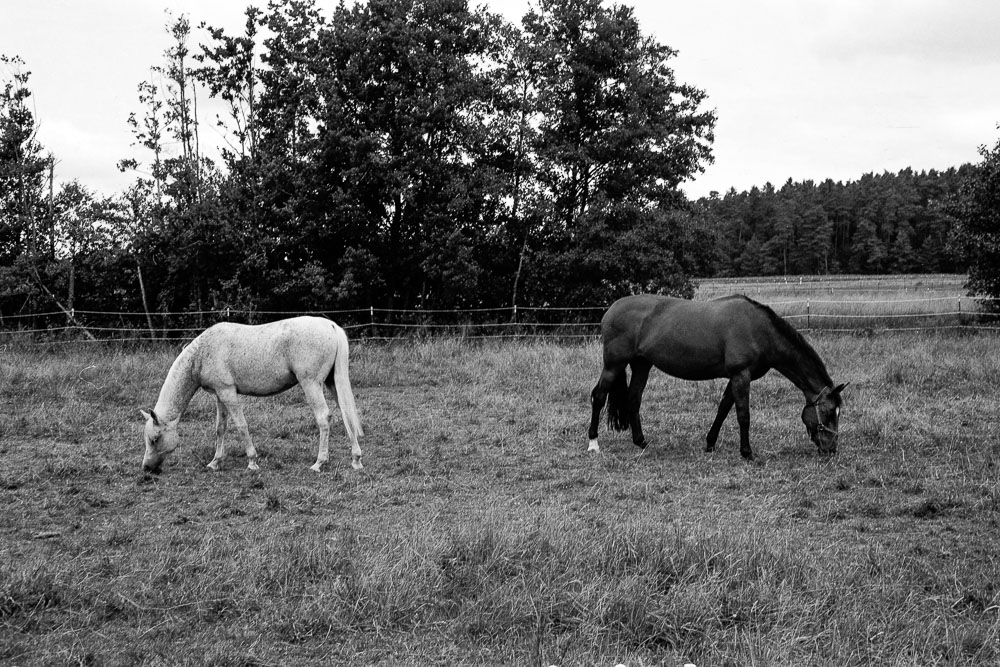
[[839, 388], [150, 415]]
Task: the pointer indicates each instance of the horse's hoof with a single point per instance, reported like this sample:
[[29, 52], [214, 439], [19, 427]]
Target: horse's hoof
[[357, 465], [592, 446], [253, 466], [642, 444], [214, 466], [316, 467]]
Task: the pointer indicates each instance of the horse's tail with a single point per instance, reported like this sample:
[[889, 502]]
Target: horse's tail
[[342, 385], [618, 406]]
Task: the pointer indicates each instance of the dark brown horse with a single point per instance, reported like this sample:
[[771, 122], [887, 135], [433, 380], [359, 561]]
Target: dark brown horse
[[733, 337]]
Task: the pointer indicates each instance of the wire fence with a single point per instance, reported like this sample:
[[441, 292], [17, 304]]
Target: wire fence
[[382, 324]]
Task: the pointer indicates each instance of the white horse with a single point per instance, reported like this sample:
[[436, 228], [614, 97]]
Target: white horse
[[231, 359]]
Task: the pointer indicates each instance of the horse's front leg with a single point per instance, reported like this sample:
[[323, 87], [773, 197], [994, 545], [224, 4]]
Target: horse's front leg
[[321, 412], [637, 385], [725, 405], [740, 385], [231, 402]]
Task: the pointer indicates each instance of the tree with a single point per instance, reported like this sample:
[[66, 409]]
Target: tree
[[25, 218], [977, 210], [616, 125], [902, 257], [402, 119], [230, 70], [191, 241], [617, 134], [812, 252]]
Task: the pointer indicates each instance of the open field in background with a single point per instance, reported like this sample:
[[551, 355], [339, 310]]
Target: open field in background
[[482, 533], [871, 286], [866, 303]]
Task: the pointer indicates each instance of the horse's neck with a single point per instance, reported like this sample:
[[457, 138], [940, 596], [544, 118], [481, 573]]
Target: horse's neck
[[180, 385], [802, 366]]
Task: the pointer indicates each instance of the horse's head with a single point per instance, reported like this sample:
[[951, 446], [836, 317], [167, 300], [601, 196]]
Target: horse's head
[[161, 439], [821, 417]]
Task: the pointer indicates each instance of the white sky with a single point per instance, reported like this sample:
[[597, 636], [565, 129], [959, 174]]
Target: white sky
[[804, 89]]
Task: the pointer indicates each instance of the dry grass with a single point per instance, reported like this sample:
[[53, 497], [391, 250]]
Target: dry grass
[[481, 532]]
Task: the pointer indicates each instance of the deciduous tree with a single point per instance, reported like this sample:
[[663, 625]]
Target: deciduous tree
[[978, 232]]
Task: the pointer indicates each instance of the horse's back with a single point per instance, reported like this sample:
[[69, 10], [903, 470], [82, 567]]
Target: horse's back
[[693, 340], [267, 358]]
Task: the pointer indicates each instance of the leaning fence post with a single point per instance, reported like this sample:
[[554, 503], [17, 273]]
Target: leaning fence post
[[808, 310], [371, 314]]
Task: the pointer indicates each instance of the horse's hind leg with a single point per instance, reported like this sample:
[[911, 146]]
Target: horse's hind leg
[[725, 405], [321, 412], [221, 418], [598, 398]]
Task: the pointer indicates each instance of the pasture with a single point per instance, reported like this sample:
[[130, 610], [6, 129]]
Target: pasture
[[481, 532]]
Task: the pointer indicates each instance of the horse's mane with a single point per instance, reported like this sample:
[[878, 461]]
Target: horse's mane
[[793, 336], [190, 347], [183, 360]]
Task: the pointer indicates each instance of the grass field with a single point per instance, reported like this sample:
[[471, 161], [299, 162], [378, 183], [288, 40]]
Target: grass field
[[482, 533]]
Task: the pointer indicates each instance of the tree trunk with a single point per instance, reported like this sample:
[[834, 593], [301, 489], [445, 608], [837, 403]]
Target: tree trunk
[[516, 198], [70, 317], [145, 301]]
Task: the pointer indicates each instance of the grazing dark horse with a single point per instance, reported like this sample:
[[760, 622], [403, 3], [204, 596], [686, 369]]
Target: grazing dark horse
[[733, 337]]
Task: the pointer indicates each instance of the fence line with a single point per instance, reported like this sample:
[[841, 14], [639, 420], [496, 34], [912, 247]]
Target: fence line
[[377, 324], [461, 311], [931, 299]]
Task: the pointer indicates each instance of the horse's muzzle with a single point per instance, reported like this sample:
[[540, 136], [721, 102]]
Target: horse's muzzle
[[826, 447]]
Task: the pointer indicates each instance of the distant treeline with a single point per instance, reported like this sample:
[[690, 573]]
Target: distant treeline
[[882, 223]]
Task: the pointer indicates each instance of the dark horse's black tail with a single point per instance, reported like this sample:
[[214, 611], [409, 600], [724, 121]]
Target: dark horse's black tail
[[618, 407]]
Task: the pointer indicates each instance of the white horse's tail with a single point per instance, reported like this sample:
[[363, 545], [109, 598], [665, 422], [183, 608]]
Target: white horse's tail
[[342, 385]]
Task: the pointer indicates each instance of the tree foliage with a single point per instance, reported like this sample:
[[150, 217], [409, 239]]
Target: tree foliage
[[881, 223], [977, 210], [22, 182], [422, 153]]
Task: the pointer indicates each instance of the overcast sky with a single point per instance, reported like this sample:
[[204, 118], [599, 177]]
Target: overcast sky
[[803, 89]]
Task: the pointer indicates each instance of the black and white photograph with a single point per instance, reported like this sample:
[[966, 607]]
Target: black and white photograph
[[540, 333]]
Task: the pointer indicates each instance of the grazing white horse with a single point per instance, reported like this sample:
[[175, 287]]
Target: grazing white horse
[[231, 359]]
